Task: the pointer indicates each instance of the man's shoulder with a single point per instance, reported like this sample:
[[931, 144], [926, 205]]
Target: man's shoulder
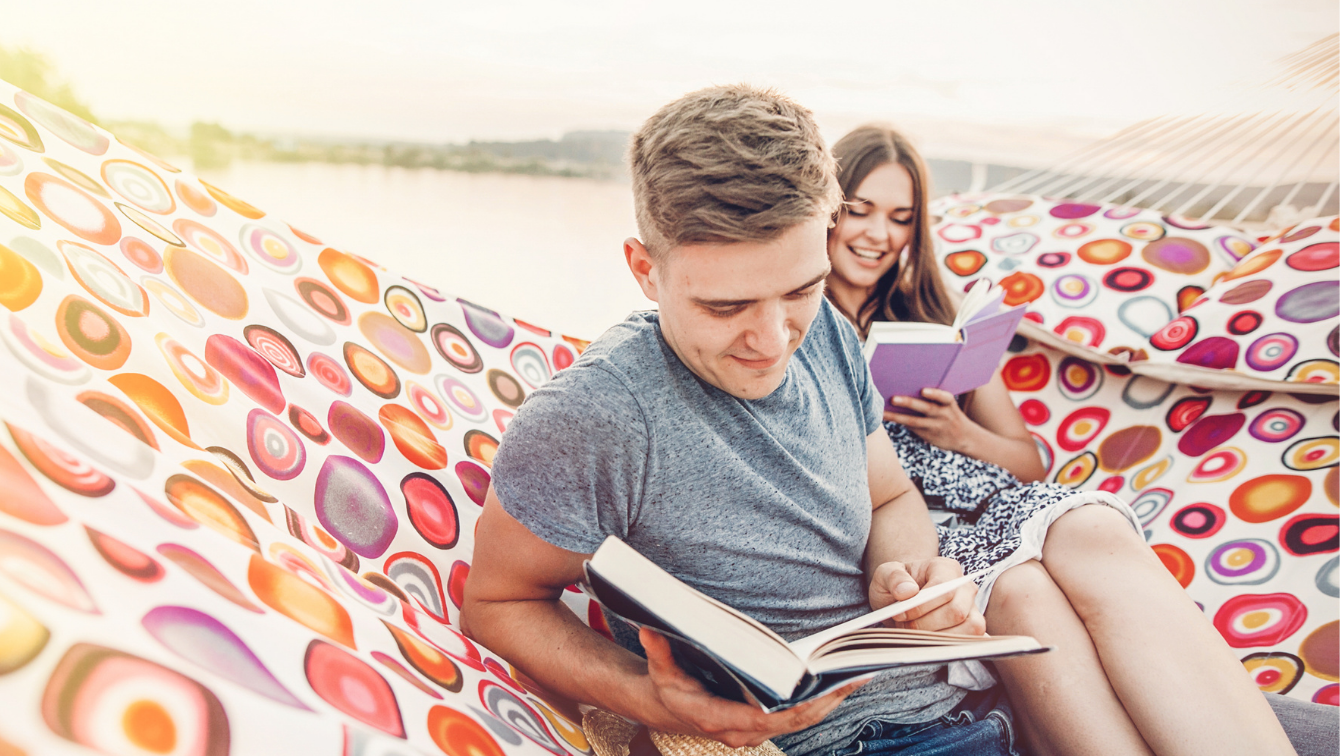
[[630, 354], [832, 339], [583, 431], [630, 346], [606, 377]]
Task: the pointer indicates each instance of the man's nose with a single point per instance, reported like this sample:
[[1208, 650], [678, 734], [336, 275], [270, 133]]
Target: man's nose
[[769, 330]]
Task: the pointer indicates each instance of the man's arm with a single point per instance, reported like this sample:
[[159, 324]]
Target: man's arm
[[902, 555], [512, 606]]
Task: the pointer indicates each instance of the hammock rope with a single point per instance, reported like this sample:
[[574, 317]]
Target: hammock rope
[[1247, 164]]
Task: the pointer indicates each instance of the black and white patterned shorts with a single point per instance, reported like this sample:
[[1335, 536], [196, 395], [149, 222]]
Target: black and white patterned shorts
[[990, 505]]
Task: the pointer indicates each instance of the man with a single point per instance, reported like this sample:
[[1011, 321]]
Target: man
[[732, 437]]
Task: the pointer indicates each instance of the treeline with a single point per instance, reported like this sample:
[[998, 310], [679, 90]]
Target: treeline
[[30, 70], [584, 154], [210, 146]]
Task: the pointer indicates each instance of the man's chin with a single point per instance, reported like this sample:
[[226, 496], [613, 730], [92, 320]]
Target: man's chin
[[755, 386]]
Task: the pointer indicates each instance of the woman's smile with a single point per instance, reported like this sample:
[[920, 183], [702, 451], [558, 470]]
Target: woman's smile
[[868, 255]]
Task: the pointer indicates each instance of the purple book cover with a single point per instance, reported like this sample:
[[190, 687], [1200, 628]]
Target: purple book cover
[[984, 341], [956, 367], [905, 369]]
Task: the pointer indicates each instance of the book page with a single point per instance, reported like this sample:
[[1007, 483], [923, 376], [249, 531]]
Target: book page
[[938, 335], [869, 656], [977, 297], [888, 637], [807, 646], [895, 333], [737, 639], [995, 300]]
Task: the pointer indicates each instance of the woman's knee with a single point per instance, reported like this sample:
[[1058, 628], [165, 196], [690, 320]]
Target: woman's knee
[[1017, 593], [1093, 531]]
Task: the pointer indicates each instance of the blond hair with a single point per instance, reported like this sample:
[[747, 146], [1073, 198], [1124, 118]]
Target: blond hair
[[729, 164]]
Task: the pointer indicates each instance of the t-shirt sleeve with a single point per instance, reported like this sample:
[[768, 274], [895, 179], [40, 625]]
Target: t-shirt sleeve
[[570, 465], [870, 399]]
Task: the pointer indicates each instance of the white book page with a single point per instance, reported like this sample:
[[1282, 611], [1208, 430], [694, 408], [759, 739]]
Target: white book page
[[884, 332], [994, 303], [977, 296], [805, 647], [888, 637], [897, 330], [743, 642], [1010, 644]]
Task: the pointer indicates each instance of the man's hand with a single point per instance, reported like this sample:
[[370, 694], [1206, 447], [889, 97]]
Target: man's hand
[[954, 612], [944, 424], [681, 704]]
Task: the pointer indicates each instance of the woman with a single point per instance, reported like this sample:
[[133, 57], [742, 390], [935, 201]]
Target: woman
[[1136, 668], [884, 269]]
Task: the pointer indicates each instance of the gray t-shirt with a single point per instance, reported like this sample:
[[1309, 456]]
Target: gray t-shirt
[[762, 504]]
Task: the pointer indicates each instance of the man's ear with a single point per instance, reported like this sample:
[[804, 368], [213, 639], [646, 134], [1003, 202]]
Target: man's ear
[[643, 267]]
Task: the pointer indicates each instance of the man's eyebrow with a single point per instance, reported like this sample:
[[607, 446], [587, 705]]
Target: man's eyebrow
[[827, 269], [724, 303]]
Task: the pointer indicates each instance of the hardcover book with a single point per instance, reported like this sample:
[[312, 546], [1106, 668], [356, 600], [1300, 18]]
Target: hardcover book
[[906, 357], [739, 658]]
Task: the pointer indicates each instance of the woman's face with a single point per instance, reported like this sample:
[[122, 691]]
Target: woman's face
[[876, 227]]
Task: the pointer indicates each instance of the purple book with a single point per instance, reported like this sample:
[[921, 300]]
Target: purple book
[[908, 357]]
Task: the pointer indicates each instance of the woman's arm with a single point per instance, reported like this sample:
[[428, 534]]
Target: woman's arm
[[991, 429]]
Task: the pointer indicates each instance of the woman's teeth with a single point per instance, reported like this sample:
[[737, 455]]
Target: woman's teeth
[[866, 254]]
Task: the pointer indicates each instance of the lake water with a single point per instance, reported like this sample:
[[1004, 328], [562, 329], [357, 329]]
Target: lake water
[[546, 250]]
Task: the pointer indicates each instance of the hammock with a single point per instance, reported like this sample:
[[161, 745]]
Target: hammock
[[1269, 161], [240, 468]]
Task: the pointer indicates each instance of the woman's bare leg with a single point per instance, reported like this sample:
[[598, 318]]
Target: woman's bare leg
[[1175, 676], [1064, 702]]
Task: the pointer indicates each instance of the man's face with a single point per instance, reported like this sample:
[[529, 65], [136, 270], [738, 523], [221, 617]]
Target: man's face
[[735, 313]]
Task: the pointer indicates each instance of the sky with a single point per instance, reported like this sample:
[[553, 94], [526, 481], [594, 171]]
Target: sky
[[1042, 75]]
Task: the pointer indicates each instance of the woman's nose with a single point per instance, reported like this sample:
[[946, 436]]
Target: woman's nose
[[877, 231]]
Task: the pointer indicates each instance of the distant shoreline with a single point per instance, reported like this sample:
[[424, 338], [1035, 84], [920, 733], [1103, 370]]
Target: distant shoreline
[[578, 154], [594, 155]]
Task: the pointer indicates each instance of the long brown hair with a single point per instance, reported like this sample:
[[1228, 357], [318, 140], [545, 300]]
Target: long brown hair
[[915, 293]]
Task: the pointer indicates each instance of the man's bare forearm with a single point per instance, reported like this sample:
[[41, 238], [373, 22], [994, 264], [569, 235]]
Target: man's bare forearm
[[902, 554], [900, 531], [513, 606], [550, 644]]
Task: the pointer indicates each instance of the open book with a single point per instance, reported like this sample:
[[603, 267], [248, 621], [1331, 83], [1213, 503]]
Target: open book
[[906, 357], [738, 658]]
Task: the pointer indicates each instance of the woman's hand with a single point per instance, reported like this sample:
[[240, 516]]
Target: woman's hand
[[991, 430], [944, 425], [681, 704]]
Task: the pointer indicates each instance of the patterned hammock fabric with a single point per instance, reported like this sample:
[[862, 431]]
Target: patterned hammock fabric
[[240, 470], [1236, 486]]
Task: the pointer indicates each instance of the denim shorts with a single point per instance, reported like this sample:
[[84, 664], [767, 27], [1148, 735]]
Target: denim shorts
[[981, 725]]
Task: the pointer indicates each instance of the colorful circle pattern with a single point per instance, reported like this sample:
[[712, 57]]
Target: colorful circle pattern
[[377, 493]]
